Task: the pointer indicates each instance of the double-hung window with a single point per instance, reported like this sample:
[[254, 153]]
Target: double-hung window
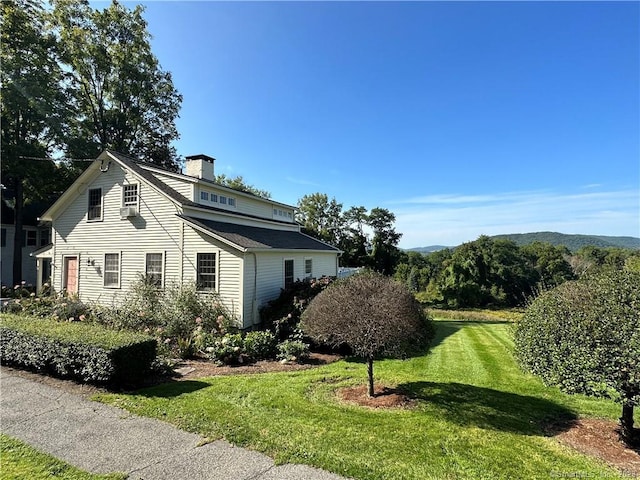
[[112, 270], [153, 268], [206, 271], [130, 195], [288, 273], [94, 211], [308, 267]]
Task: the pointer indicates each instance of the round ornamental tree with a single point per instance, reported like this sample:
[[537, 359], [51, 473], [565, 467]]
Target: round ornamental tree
[[584, 336], [373, 314]]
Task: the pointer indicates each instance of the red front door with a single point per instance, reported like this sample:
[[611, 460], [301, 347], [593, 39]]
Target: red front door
[[71, 275]]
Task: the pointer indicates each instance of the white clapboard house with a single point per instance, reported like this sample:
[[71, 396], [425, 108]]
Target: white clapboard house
[[122, 218]]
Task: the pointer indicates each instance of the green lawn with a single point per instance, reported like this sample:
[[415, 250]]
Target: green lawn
[[477, 416], [19, 461]]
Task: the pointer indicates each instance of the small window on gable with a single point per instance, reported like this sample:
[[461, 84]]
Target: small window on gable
[[112, 270], [130, 195], [308, 267], [154, 267], [214, 198], [206, 271], [204, 196], [94, 211]]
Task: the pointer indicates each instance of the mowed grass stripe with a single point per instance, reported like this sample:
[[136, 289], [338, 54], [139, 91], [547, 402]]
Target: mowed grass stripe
[[464, 425]]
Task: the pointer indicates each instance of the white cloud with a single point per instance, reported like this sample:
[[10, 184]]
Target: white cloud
[[453, 219]]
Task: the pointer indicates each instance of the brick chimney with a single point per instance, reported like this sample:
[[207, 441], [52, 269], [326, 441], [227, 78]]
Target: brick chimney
[[200, 166]]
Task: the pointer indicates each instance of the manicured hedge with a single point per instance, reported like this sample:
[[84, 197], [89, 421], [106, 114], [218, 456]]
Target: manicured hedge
[[86, 352]]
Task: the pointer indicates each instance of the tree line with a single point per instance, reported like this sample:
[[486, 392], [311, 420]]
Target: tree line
[[498, 273]]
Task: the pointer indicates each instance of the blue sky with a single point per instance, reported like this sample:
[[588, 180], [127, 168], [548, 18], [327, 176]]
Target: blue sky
[[462, 118]]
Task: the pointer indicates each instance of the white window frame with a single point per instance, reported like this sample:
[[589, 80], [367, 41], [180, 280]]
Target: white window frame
[[308, 274], [222, 199], [284, 271], [204, 196], [105, 271], [231, 202], [99, 218], [216, 266], [214, 198], [162, 266], [129, 203]]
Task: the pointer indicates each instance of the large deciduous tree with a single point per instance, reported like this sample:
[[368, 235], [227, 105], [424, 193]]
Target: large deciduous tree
[[374, 315], [321, 217], [584, 336], [33, 104], [123, 99]]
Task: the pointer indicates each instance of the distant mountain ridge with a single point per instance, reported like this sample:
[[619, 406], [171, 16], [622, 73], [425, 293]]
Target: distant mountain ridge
[[572, 241]]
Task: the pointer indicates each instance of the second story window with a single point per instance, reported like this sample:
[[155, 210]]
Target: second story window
[[130, 195], [223, 200], [232, 202], [204, 196], [94, 211]]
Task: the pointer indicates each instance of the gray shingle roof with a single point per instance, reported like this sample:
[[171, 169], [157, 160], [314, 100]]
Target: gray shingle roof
[[260, 238]]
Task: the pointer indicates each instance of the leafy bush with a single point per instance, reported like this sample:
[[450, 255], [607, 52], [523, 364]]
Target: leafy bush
[[584, 336], [227, 350], [282, 315], [260, 345], [293, 351], [86, 352]]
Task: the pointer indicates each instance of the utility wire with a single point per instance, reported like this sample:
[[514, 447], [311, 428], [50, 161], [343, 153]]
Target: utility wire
[[22, 157]]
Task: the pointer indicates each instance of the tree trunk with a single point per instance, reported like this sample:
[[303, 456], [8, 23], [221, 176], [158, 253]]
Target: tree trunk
[[18, 238], [370, 374], [630, 435]]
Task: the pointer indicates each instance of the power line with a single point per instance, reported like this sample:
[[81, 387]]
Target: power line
[[22, 157]]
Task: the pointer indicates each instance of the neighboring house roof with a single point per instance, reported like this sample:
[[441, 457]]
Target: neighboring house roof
[[248, 238], [30, 212], [44, 251]]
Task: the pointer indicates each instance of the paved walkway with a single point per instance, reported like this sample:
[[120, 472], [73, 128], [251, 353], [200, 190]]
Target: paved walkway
[[102, 439]]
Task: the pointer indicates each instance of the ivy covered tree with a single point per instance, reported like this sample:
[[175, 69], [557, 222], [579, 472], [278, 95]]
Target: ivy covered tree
[[584, 336], [374, 315]]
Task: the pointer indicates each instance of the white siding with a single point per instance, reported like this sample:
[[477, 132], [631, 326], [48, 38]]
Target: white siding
[[186, 188], [270, 270], [154, 230], [228, 268]]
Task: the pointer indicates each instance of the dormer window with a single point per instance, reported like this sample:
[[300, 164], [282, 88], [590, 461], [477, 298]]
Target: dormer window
[[204, 196]]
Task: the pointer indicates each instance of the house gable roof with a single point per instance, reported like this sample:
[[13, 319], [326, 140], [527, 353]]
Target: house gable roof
[[246, 238], [145, 172]]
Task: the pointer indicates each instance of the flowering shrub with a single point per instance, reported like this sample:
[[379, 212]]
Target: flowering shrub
[[293, 351], [260, 345], [227, 349]]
